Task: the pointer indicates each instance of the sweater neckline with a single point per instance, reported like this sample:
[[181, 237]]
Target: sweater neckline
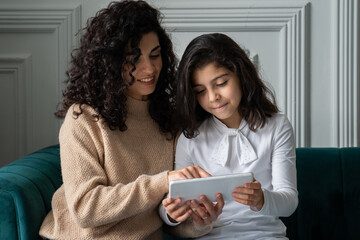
[[137, 107]]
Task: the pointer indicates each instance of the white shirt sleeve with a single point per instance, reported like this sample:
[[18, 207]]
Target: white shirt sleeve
[[283, 199]]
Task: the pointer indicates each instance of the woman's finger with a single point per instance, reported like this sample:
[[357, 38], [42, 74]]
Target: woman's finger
[[196, 172], [201, 172]]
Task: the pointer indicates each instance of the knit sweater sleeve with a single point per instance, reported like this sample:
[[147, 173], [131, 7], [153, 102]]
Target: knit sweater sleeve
[[91, 200]]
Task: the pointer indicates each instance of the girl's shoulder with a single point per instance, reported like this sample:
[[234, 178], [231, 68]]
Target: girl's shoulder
[[275, 123], [279, 122], [277, 119]]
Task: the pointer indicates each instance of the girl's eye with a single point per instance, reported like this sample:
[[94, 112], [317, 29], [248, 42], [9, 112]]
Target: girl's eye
[[222, 84], [199, 91]]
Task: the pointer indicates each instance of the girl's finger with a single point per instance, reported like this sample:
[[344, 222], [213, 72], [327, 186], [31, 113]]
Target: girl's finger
[[166, 201], [181, 213], [219, 204], [253, 185], [198, 221], [209, 206], [243, 196], [244, 190], [185, 216], [199, 210], [173, 205]]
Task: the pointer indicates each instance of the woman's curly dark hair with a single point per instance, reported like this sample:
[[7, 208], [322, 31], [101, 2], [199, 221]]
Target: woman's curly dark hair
[[95, 77], [257, 102]]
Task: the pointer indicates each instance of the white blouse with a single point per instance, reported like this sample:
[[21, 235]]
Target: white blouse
[[268, 152]]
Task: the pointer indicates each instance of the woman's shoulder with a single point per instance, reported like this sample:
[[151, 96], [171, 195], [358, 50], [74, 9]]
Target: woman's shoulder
[[81, 116], [81, 111]]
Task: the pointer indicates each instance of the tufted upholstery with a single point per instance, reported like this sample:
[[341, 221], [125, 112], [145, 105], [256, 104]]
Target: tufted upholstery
[[26, 189]]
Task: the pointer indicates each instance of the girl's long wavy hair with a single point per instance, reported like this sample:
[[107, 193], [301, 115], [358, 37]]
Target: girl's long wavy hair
[[257, 102], [95, 77]]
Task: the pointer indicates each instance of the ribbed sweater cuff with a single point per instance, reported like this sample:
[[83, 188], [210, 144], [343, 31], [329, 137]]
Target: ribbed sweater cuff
[[161, 182]]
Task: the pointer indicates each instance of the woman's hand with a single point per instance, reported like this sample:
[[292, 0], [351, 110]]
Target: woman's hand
[[206, 212], [251, 194], [188, 172]]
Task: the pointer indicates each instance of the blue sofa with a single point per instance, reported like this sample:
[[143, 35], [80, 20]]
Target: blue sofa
[[328, 185]]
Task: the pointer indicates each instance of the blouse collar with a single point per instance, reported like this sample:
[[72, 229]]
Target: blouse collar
[[244, 150]]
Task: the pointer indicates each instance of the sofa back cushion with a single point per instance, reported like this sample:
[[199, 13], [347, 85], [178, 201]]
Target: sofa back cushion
[[320, 213], [26, 189], [350, 160]]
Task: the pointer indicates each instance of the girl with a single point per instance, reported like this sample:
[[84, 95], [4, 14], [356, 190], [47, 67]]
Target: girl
[[117, 139], [231, 124]]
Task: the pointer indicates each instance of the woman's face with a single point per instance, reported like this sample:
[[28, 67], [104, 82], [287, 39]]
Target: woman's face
[[148, 68], [218, 92]]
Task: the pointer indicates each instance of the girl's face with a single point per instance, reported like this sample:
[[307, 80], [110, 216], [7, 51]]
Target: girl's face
[[148, 68], [218, 92]]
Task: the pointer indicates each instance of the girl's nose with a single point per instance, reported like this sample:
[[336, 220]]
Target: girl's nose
[[213, 96]]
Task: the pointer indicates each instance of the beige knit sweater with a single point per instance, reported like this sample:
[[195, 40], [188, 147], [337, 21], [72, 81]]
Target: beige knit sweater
[[113, 181]]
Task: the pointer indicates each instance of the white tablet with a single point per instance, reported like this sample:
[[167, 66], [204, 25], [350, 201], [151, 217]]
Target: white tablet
[[192, 188]]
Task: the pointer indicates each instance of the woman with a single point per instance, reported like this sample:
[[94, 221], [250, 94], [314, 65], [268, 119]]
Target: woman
[[117, 139]]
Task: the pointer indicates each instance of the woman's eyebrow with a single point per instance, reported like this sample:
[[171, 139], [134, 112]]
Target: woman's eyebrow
[[214, 79], [155, 48]]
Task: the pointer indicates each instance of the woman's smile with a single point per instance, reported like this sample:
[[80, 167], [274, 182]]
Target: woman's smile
[[147, 81]]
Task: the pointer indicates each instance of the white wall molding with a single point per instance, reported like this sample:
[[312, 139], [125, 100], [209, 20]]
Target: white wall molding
[[64, 20], [346, 73], [19, 67], [289, 19]]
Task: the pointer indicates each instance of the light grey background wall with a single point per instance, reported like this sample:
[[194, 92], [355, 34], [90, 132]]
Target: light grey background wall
[[307, 50]]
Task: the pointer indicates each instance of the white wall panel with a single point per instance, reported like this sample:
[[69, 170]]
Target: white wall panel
[[346, 73], [15, 107], [48, 35]]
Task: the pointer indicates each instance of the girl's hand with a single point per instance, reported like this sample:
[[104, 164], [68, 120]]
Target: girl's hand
[[188, 172], [206, 212], [251, 194], [175, 211]]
